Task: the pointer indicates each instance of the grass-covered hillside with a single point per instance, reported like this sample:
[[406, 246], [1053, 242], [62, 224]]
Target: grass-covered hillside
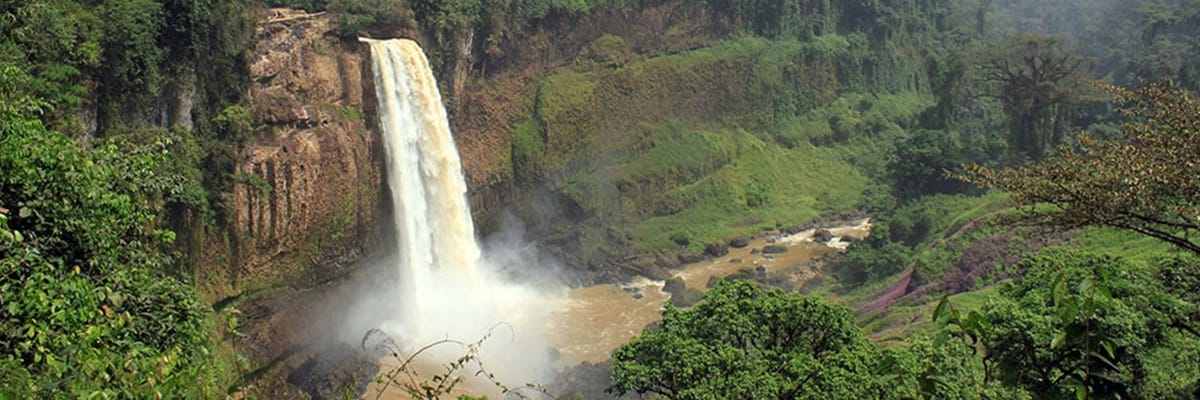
[[703, 145]]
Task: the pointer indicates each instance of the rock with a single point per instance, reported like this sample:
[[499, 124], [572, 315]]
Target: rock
[[774, 249], [667, 261], [689, 298], [681, 295], [647, 265], [738, 243], [822, 235], [792, 230], [744, 274], [681, 239], [716, 249], [330, 373], [755, 250], [675, 286], [585, 381], [735, 261], [316, 171], [638, 295], [687, 257]]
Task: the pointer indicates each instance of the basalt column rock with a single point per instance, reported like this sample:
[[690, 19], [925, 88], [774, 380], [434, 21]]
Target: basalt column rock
[[307, 194]]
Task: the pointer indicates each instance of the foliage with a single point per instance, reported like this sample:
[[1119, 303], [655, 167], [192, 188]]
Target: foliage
[[407, 378], [745, 342], [922, 162], [937, 365], [87, 309], [866, 263], [1144, 183], [356, 16], [1077, 324], [1037, 80], [918, 234], [306, 5], [131, 53]]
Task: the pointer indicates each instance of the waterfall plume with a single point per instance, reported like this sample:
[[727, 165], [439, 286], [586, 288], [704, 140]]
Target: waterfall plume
[[447, 288]]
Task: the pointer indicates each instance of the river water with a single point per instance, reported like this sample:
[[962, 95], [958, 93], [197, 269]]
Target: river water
[[594, 321]]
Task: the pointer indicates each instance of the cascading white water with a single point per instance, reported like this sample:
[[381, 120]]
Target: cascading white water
[[449, 289], [432, 219]]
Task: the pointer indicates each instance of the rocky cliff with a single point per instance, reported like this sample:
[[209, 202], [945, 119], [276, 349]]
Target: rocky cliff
[[307, 196], [306, 204]]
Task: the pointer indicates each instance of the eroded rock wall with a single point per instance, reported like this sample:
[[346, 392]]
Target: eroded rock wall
[[307, 194]]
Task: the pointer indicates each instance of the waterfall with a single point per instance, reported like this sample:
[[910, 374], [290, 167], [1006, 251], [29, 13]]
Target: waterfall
[[434, 233], [449, 288]]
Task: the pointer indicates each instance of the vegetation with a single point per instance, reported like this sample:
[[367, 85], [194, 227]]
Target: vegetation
[[93, 300], [1144, 183], [745, 342], [1037, 82], [782, 112], [88, 309]]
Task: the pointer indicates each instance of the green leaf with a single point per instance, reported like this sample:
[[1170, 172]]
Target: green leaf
[[944, 311], [1059, 340]]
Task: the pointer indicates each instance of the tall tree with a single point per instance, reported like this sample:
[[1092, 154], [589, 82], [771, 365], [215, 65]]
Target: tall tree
[[1037, 80], [1145, 183]]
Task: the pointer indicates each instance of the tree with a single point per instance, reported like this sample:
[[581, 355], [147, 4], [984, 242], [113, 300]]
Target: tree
[[1037, 80], [88, 311], [742, 341], [920, 164], [1078, 323], [1145, 183]]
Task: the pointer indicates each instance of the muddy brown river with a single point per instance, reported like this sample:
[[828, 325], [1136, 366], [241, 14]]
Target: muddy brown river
[[594, 321], [591, 322]]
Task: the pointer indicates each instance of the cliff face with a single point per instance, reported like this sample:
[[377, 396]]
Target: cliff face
[[309, 186], [307, 197]]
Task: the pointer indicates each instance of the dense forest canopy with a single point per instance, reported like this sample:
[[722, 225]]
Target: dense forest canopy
[[1075, 278]]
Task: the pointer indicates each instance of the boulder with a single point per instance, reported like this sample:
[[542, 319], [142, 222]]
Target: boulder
[[675, 286], [774, 249], [822, 235], [681, 295], [687, 257], [689, 298], [333, 373], [668, 260], [647, 265], [740, 242], [716, 249]]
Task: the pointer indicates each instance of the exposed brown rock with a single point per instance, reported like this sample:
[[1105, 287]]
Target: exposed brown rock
[[307, 194]]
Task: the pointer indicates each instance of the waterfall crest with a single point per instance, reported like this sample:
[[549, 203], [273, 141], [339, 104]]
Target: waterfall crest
[[432, 219]]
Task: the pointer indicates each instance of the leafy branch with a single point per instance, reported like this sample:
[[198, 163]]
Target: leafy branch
[[410, 380]]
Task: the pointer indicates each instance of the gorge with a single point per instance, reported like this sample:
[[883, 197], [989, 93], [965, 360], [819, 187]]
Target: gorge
[[265, 199]]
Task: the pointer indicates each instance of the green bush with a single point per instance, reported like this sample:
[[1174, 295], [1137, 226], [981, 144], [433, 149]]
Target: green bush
[[745, 342], [88, 308], [356, 16]]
